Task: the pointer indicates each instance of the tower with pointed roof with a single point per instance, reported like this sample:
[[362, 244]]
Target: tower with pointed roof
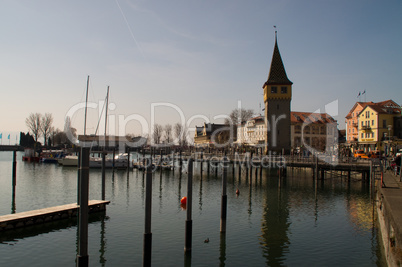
[[277, 98]]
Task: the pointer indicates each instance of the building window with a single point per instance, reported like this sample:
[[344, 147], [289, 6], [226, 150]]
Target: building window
[[284, 90], [384, 124], [362, 135], [274, 90], [372, 122], [362, 123]]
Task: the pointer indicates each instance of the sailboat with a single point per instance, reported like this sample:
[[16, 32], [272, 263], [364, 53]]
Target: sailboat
[[120, 160], [72, 160]]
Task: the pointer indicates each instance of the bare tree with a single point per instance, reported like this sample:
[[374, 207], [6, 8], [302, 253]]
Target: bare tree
[[239, 115], [33, 123], [157, 134], [180, 134], [168, 133], [46, 125]]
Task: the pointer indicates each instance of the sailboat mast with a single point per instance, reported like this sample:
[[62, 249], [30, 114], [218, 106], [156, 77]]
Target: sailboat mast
[[86, 103], [107, 104]]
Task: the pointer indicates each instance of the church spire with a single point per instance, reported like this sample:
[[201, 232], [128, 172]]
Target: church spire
[[277, 74]]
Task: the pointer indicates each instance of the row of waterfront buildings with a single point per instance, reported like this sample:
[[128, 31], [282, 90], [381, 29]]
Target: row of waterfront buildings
[[369, 126]]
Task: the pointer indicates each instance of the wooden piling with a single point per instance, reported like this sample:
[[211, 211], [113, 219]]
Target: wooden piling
[[82, 257], [202, 160], [14, 173], [224, 197], [189, 221], [261, 169], [14, 183], [147, 250], [208, 165], [114, 158], [180, 162], [78, 177], [128, 161], [103, 175], [316, 170]]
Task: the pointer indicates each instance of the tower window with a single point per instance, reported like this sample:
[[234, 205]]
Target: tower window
[[274, 90], [284, 90]]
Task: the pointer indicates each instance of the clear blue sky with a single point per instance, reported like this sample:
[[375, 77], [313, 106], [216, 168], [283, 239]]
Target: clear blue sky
[[201, 56]]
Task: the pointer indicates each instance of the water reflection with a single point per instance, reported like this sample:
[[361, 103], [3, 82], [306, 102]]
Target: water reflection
[[222, 249], [274, 238], [102, 259], [273, 221]]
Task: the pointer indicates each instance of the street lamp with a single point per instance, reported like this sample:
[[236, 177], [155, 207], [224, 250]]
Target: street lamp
[[389, 138]]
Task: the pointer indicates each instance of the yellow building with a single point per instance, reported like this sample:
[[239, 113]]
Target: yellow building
[[376, 125], [352, 122]]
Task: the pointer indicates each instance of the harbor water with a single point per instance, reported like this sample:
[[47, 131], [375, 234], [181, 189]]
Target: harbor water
[[291, 221]]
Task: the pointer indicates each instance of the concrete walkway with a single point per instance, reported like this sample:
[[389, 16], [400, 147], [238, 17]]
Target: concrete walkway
[[389, 211]]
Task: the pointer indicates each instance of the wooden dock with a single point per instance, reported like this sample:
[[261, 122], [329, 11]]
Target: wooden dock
[[28, 218]]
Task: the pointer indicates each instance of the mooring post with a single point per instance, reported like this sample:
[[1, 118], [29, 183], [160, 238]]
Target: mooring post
[[103, 175], [202, 160], [224, 197], [180, 162], [14, 182], [78, 177], [316, 168], [189, 221], [251, 166], [208, 164], [128, 161], [146, 256], [14, 174], [82, 257], [114, 155]]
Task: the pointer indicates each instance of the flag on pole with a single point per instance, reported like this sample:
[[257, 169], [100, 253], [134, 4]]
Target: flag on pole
[[364, 92], [358, 94], [1, 135], [8, 137]]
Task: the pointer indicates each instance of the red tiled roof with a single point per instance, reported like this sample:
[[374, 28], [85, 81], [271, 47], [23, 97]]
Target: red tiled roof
[[309, 117]]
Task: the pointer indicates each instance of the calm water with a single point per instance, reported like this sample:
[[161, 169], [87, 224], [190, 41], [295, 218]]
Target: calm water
[[271, 222]]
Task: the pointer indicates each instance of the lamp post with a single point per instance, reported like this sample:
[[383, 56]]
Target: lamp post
[[389, 138]]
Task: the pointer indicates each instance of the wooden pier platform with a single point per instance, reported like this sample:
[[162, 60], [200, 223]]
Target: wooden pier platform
[[28, 218]]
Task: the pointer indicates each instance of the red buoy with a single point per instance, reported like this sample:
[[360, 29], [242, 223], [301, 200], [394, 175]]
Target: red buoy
[[237, 191], [183, 200]]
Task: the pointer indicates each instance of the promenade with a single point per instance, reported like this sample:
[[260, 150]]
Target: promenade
[[389, 209]]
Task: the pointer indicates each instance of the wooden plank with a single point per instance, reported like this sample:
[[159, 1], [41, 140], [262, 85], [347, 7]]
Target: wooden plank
[[47, 214]]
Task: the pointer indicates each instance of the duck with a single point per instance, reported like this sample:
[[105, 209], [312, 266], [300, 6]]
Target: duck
[[206, 240]]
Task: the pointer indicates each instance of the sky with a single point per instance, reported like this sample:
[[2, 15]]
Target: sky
[[190, 61]]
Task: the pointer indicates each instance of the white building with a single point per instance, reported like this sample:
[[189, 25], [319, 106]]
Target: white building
[[251, 132]]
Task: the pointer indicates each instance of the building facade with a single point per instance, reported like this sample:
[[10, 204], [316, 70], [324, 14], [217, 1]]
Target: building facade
[[277, 98], [352, 133], [252, 132], [376, 126], [318, 131], [314, 130], [211, 134]]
